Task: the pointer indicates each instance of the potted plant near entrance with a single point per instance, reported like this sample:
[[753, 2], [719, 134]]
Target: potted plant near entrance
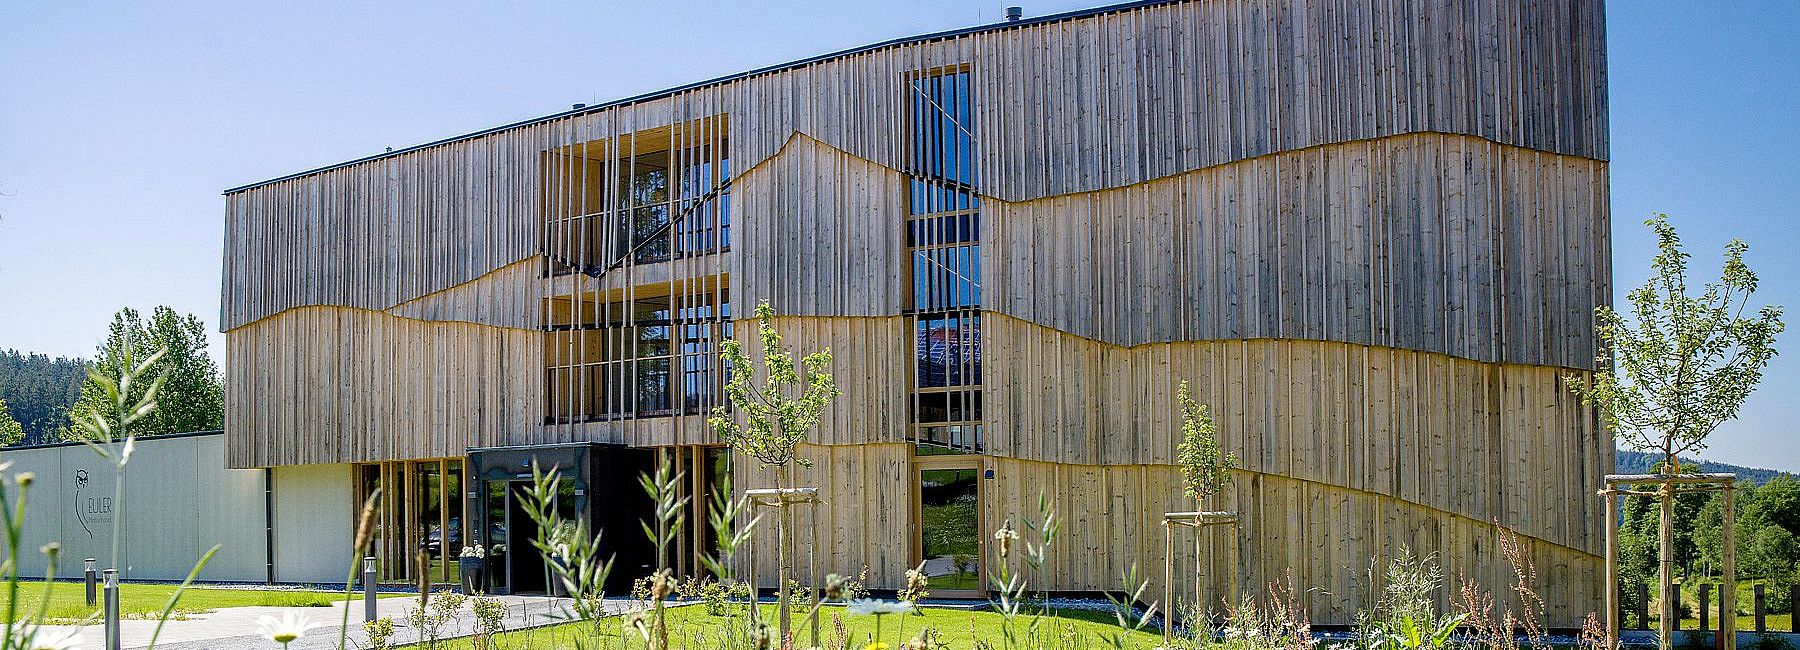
[[473, 560]]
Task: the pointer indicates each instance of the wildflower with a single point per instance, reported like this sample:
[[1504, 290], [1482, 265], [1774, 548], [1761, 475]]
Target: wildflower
[[876, 645], [834, 586], [25, 478], [291, 627], [31, 637], [867, 606], [917, 585], [1005, 538]]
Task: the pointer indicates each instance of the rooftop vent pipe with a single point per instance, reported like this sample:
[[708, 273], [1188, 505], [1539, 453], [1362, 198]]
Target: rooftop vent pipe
[[1014, 13]]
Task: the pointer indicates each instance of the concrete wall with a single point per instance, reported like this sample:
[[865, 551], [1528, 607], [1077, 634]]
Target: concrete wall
[[315, 513], [180, 501]]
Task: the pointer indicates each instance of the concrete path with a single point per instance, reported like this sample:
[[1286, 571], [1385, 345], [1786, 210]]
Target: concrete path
[[234, 628]]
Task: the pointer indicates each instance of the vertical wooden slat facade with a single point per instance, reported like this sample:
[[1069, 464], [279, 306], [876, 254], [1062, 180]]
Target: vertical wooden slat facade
[[1371, 234]]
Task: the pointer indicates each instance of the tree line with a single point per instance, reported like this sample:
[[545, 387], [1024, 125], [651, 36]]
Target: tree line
[[40, 396], [1768, 538]]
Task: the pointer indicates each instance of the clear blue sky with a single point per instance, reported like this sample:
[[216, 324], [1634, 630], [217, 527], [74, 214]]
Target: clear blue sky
[[120, 122]]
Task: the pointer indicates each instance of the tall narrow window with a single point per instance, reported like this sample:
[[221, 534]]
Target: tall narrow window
[[943, 240]]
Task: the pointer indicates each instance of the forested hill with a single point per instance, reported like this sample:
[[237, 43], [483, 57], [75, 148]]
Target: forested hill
[[39, 390], [1638, 462]]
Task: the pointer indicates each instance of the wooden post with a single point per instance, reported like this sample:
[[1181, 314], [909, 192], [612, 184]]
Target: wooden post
[[1719, 637], [1728, 591], [1612, 568], [1705, 607], [1232, 548], [1643, 609], [1668, 616], [1794, 608], [1198, 599], [1761, 613], [782, 620], [812, 587], [1168, 581]]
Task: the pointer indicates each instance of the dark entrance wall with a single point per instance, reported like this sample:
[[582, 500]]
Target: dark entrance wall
[[599, 483]]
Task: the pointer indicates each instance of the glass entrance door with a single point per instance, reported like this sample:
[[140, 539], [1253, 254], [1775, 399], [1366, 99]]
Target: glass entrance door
[[514, 564], [949, 526]]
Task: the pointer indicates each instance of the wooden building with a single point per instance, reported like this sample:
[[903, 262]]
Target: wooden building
[[1371, 234]]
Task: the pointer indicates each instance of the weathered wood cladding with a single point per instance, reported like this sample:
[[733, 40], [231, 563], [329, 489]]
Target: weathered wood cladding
[[1071, 106], [1328, 537], [865, 518], [1128, 96], [1325, 535], [821, 233], [1481, 440], [1450, 244], [338, 384], [380, 233], [507, 297]]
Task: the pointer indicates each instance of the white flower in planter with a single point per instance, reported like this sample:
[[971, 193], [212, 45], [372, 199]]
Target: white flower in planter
[[291, 627], [476, 551]]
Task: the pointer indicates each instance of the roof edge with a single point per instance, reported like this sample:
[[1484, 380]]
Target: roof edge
[[779, 67]]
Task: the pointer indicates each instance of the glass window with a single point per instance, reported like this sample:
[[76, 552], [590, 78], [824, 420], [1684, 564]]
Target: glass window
[[649, 356]]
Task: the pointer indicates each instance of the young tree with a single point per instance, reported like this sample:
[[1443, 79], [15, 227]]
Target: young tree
[[11, 432], [1205, 469], [1681, 365], [776, 416], [192, 398]]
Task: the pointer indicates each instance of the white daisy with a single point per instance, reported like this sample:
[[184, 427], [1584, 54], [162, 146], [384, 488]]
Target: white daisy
[[867, 606], [287, 629]]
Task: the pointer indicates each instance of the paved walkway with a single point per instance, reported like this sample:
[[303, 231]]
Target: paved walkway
[[234, 628]]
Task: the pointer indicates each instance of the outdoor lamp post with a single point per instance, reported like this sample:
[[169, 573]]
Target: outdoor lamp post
[[369, 588], [111, 610], [90, 571]]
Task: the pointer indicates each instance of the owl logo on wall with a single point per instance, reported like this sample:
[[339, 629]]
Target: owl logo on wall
[[81, 505]]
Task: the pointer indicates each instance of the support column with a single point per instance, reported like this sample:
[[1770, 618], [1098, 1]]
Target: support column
[[1612, 567], [1728, 591], [1668, 616]]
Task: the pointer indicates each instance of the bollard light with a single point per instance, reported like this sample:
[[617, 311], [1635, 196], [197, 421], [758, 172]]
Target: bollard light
[[369, 588], [111, 610], [90, 572]]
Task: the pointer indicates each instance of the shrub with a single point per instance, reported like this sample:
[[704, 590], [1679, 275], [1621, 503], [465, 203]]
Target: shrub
[[380, 632]]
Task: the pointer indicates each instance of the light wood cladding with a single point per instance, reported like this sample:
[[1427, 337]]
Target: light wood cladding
[[1140, 94], [865, 520], [1329, 537], [820, 233], [1099, 101], [508, 297], [1450, 244], [1326, 535], [380, 233], [338, 385], [1478, 439]]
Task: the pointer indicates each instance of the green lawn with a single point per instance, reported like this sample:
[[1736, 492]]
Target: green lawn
[[692, 627], [960, 580], [1690, 596], [68, 600]]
